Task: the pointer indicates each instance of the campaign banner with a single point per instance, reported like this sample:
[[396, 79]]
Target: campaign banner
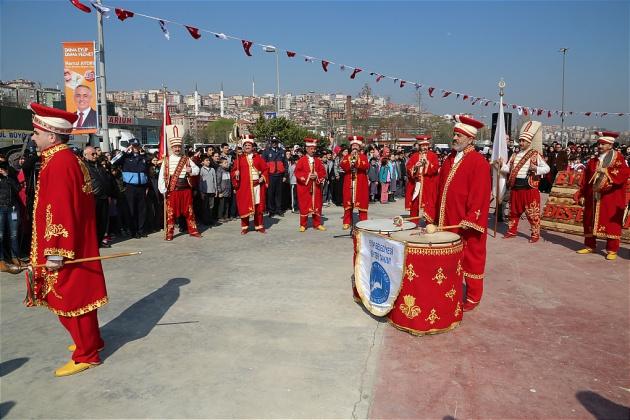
[[378, 271], [79, 74], [562, 214]]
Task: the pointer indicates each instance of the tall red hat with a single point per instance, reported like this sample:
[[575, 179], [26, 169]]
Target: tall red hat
[[356, 140], [52, 119], [467, 126], [607, 137], [310, 142], [424, 139]]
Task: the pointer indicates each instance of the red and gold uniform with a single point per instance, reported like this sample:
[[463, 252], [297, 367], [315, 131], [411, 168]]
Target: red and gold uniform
[[250, 185], [175, 182], [524, 170], [464, 199], [355, 184], [64, 228], [421, 189], [309, 190], [604, 197]]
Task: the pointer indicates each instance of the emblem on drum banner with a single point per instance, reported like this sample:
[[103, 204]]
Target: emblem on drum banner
[[378, 271]]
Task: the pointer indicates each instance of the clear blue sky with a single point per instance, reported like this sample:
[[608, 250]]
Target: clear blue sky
[[461, 46]]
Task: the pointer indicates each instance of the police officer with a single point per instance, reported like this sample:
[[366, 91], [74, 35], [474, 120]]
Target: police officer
[[277, 163], [134, 163]]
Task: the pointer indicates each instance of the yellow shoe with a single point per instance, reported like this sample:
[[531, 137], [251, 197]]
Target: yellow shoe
[[320, 227], [585, 251], [346, 227], [71, 368], [302, 229], [611, 256]]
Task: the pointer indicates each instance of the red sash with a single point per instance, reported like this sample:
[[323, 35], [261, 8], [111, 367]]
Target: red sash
[[171, 180], [518, 167]]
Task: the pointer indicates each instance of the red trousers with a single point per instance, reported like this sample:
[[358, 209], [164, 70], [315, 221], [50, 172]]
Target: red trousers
[[179, 203], [86, 335], [528, 202], [317, 220], [474, 263], [612, 245], [347, 216], [258, 219]]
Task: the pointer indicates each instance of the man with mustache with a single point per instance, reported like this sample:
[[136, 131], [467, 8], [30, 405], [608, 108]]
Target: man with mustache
[[463, 200]]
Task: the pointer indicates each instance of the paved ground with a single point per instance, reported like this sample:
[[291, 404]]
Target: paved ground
[[264, 326]]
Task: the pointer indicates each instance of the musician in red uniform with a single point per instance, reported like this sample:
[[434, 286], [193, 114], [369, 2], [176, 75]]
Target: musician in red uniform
[[249, 178], [463, 201], [355, 184], [422, 174], [310, 175], [524, 170], [64, 228], [175, 182], [603, 193]]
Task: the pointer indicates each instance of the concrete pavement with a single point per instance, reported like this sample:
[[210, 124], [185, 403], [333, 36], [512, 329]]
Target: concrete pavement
[[264, 326]]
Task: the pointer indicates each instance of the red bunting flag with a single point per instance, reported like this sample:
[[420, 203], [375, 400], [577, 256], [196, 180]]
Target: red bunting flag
[[82, 7], [621, 114], [588, 114], [355, 72], [325, 65], [525, 111], [379, 78], [540, 111], [446, 93], [604, 114], [290, 54], [548, 114], [246, 46], [194, 32], [487, 103], [402, 83], [123, 14], [431, 89], [465, 97]]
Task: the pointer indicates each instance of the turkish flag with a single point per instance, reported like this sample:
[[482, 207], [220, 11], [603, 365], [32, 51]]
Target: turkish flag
[[194, 32], [82, 7]]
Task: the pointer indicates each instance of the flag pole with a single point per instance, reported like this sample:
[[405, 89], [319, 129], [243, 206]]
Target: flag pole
[[164, 153]]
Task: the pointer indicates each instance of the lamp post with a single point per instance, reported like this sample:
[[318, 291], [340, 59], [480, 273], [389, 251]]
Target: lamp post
[[272, 49], [564, 56]]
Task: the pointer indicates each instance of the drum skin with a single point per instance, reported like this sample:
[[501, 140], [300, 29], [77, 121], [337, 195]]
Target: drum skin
[[430, 298]]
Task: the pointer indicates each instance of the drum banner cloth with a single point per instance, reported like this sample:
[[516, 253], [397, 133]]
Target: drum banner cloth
[[378, 271]]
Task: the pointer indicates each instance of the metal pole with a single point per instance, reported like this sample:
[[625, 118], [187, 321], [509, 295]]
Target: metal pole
[[278, 83], [102, 85], [564, 55]]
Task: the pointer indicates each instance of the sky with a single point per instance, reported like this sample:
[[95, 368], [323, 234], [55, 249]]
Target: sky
[[463, 46]]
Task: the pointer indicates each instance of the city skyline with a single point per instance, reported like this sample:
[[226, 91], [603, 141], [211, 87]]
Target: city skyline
[[461, 54]]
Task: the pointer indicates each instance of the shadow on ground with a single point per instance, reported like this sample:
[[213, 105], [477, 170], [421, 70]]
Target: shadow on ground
[[602, 408], [11, 365], [138, 320]]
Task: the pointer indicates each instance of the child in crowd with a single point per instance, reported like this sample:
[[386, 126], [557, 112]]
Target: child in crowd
[[224, 189]]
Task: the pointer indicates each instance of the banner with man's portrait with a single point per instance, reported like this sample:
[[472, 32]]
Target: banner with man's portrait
[[79, 74]]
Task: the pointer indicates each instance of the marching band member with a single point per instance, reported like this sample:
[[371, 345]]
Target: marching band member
[[174, 182], [64, 228], [249, 177], [464, 199], [310, 175], [422, 174], [355, 184], [603, 194], [525, 169]]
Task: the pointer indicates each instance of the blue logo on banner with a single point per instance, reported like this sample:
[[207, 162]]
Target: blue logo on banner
[[379, 284]]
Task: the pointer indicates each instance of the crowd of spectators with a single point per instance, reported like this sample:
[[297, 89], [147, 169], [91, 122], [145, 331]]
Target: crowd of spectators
[[128, 204]]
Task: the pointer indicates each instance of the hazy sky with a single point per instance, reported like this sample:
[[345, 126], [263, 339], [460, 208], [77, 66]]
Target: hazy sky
[[461, 46]]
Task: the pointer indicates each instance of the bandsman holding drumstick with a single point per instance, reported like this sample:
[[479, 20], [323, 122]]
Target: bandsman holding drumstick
[[464, 199], [64, 229]]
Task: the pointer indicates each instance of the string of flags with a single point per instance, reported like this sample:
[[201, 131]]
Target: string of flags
[[433, 92]]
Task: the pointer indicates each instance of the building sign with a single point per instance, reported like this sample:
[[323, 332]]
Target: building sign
[[562, 214], [79, 74], [114, 119], [270, 115]]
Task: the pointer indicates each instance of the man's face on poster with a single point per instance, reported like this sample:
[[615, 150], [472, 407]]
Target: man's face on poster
[[83, 98]]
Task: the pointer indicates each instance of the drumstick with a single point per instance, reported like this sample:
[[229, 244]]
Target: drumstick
[[432, 229], [101, 257]]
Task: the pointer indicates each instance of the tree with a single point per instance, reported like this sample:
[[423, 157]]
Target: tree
[[287, 131], [188, 139], [218, 131]]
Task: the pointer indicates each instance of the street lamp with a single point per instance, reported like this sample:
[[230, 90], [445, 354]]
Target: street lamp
[[564, 56], [272, 49]]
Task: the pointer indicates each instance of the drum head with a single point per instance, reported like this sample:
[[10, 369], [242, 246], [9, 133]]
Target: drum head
[[415, 236], [383, 225]]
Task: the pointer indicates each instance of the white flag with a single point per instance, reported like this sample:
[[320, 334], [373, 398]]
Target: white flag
[[165, 30], [499, 150]]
